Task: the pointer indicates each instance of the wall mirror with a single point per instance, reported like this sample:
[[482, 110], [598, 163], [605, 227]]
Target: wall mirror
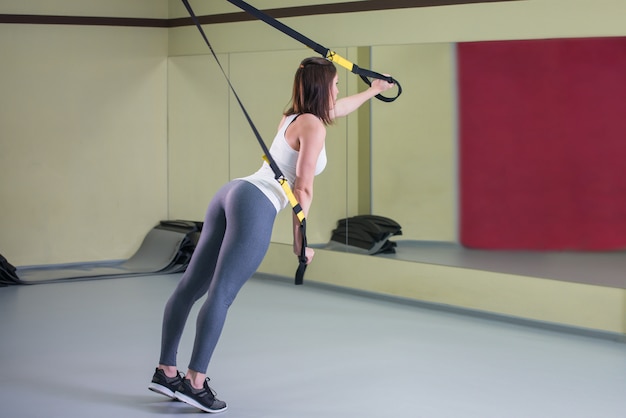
[[398, 160]]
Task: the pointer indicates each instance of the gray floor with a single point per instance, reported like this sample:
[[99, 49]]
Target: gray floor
[[88, 349]]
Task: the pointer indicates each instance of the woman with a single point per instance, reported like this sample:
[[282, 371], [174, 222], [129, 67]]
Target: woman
[[238, 227]]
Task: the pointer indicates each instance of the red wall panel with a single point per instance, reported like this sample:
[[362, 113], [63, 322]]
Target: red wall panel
[[543, 144]]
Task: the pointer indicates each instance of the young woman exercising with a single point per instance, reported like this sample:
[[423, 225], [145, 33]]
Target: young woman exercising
[[238, 227]]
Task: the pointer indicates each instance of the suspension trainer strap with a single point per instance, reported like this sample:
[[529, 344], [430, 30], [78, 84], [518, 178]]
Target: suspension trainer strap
[[278, 175], [364, 73]]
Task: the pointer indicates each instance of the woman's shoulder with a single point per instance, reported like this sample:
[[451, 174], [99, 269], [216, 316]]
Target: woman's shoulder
[[309, 120], [306, 128], [310, 129]]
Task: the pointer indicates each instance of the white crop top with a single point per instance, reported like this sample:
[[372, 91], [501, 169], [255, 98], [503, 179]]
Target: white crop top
[[286, 158]]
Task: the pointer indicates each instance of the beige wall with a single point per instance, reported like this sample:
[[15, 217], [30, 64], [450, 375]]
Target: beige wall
[[198, 148], [157, 9], [525, 19], [83, 158], [95, 159]]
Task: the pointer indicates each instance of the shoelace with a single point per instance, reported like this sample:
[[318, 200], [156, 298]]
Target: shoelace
[[205, 391], [208, 388]]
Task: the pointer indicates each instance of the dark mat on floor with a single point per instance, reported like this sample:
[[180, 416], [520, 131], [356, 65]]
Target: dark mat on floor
[[167, 248]]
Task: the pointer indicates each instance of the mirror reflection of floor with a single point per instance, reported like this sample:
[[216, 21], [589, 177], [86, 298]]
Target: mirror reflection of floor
[[598, 268]]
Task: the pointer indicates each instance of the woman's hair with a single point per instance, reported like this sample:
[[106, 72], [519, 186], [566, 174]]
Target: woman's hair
[[312, 87]]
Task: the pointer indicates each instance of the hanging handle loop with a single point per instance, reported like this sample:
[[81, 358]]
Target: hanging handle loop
[[389, 80], [330, 55]]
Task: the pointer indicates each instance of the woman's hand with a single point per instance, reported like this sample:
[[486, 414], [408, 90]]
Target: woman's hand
[[382, 85], [349, 104], [309, 253]]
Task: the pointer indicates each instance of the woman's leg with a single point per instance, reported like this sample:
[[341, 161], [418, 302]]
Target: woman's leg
[[194, 282], [249, 220]]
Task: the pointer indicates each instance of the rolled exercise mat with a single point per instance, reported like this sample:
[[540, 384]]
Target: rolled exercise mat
[[167, 248]]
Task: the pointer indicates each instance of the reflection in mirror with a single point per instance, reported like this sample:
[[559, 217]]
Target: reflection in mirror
[[510, 97], [397, 160], [403, 156]]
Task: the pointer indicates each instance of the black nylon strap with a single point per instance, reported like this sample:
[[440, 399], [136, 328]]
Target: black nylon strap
[[278, 175], [280, 26], [365, 74], [302, 257]]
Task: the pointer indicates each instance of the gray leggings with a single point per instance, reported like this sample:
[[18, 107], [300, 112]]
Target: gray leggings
[[234, 239]]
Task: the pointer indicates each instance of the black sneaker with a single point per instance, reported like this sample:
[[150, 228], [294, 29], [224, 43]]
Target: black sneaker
[[165, 385], [203, 399]]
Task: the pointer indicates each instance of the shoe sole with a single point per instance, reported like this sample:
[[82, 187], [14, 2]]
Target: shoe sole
[[155, 387], [190, 401]]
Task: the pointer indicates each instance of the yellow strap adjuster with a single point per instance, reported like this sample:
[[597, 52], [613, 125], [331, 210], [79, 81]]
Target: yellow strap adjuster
[[297, 209], [332, 56]]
